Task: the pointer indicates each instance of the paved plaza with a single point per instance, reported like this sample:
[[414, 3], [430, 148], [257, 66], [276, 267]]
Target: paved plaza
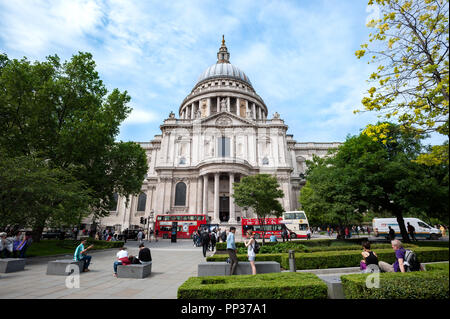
[[173, 264]]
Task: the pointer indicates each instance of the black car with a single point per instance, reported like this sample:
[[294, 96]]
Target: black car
[[57, 234]]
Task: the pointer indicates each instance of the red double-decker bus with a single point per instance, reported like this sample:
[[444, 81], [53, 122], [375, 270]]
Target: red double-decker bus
[[187, 224], [271, 226]]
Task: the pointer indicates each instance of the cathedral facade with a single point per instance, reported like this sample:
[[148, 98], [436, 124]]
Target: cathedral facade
[[222, 133]]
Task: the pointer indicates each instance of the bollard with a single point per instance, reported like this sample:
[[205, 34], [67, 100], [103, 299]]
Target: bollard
[[292, 267]]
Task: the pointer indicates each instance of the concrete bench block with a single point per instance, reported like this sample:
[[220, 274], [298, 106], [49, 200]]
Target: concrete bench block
[[334, 284], [12, 264], [243, 268], [64, 267], [134, 271]]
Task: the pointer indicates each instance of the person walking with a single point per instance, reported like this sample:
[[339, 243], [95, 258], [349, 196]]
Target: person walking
[[213, 239], [391, 233], [442, 228], [250, 244], [140, 236], [231, 249], [308, 233], [81, 254], [205, 241], [411, 231]]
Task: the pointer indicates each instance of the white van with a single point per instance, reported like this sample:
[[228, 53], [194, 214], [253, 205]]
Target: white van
[[422, 229]]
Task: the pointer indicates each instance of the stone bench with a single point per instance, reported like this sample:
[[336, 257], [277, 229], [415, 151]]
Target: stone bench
[[64, 267], [242, 268], [138, 271], [12, 264], [334, 285]]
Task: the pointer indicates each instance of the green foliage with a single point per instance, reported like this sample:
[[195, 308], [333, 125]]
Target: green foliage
[[260, 193], [61, 114], [411, 83], [345, 257], [411, 285], [67, 246], [364, 175], [437, 266], [260, 286], [34, 194], [340, 259]]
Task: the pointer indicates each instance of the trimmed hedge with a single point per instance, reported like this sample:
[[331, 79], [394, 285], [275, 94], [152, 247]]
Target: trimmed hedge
[[339, 259], [439, 266], [410, 285], [263, 286]]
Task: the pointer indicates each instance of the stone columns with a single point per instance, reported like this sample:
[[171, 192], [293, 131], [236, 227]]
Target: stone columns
[[216, 218], [228, 104], [218, 105], [238, 105], [192, 111], [208, 107], [260, 114], [198, 205], [232, 219], [254, 111], [205, 194]]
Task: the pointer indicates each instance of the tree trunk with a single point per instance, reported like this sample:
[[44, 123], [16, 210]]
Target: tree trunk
[[36, 233], [401, 224]]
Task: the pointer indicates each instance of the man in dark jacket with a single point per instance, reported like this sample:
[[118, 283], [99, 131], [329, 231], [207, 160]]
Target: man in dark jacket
[[391, 234], [205, 241], [411, 231]]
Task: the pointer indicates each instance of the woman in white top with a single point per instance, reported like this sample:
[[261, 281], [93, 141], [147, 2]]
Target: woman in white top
[[250, 244]]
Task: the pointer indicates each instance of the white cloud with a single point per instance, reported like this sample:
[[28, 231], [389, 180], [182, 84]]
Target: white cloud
[[141, 116]]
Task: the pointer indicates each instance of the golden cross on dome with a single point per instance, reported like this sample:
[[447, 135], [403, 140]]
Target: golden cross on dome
[[223, 39]]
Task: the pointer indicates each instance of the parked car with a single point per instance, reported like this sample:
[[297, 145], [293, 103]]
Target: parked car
[[54, 234]]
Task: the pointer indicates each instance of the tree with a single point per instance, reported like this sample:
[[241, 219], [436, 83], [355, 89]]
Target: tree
[[62, 114], [32, 194], [366, 175], [261, 193], [411, 47]]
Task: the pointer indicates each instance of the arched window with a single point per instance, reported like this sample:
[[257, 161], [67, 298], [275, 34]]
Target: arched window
[[142, 200], [180, 194]]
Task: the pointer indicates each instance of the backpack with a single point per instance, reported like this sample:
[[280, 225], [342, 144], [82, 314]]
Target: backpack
[[411, 261], [257, 247], [223, 236], [205, 237]]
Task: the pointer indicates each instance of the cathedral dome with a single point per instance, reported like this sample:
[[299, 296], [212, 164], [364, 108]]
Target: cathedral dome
[[223, 68]]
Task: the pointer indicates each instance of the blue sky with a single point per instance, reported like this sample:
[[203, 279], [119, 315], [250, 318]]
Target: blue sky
[[299, 55]]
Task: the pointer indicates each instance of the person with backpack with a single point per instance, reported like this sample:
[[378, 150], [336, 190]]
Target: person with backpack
[[205, 241], [250, 244], [223, 235], [405, 260], [213, 239]]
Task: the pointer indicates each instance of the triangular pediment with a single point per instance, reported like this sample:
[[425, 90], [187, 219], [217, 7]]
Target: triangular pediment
[[226, 119]]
